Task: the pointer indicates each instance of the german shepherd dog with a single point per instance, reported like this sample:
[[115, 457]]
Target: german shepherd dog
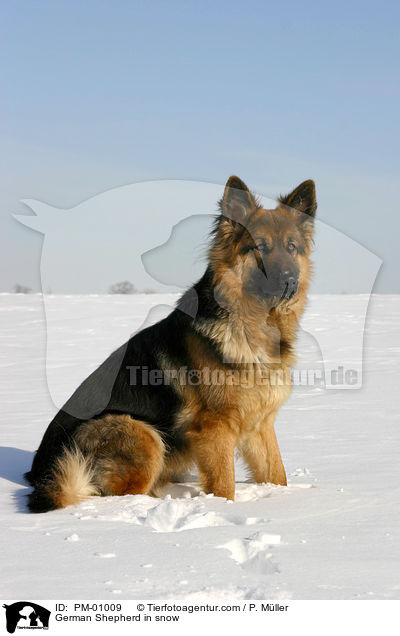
[[139, 420]]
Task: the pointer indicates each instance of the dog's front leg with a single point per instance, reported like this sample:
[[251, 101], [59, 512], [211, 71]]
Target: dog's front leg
[[213, 440], [261, 452]]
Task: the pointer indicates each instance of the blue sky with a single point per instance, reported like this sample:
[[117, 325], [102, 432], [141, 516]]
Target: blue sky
[[101, 94]]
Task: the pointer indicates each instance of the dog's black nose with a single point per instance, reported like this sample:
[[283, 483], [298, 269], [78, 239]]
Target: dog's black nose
[[289, 283]]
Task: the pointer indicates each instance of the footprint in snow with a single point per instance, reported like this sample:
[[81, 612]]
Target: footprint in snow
[[168, 515], [175, 516], [252, 553]]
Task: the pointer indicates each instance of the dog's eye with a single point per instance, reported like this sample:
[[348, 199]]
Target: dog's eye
[[260, 245], [292, 246]]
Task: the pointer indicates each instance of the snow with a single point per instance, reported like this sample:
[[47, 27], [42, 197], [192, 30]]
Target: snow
[[333, 533]]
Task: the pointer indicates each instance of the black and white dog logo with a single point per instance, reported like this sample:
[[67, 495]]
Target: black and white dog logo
[[26, 615]]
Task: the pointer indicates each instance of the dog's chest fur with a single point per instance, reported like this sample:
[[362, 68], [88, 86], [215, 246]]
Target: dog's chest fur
[[243, 393]]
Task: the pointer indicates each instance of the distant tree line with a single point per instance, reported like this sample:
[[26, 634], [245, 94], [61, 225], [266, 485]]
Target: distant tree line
[[126, 287], [123, 287], [21, 289]]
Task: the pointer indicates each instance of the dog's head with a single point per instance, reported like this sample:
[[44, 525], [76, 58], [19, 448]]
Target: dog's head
[[260, 254]]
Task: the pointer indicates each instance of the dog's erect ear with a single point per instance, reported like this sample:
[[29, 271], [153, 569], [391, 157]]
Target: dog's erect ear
[[237, 202], [302, 198]]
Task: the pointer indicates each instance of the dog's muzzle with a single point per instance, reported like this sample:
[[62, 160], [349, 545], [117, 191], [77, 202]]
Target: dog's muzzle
[[289, 285]]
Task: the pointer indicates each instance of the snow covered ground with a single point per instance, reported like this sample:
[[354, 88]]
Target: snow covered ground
[[333, 533]]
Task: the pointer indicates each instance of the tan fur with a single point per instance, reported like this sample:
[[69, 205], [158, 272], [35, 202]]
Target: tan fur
[[128, 454], [213, 438], [72, 479], [113, 455], [261, 452]]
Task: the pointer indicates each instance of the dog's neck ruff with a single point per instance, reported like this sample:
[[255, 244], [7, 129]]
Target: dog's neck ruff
[[240, 343]]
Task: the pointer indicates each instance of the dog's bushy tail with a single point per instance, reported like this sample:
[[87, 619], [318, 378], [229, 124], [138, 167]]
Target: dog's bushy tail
[[70, 481]]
